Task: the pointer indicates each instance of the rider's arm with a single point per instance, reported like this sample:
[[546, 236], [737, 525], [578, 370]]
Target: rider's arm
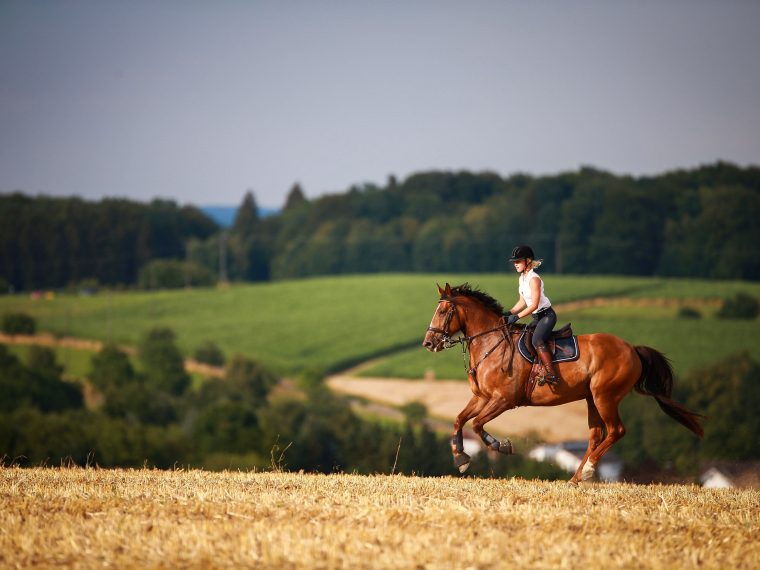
[[535, 289], [519, 305]]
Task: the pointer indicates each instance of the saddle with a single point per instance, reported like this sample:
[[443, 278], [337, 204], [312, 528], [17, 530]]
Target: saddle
[[561, 343]]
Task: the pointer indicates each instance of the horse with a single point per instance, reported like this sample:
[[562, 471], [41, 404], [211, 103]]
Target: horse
[[607, 369]]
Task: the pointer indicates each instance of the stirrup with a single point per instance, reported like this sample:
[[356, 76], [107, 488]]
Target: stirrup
[[548, 378]]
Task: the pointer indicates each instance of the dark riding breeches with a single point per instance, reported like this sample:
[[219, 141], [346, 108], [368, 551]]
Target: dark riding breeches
[[544, 323]]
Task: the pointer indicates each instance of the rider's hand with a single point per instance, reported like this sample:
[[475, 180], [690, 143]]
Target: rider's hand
[[512, 319]]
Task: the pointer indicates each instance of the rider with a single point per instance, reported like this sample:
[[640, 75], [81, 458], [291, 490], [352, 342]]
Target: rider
[[533, 301]]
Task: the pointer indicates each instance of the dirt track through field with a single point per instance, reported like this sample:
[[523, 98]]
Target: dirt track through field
[[444, 399]]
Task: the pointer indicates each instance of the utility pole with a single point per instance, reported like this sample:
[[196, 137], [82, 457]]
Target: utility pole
[[68, 334], [108, 322], [222, 258]]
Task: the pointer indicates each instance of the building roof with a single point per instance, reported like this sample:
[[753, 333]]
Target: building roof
[[738, 473]]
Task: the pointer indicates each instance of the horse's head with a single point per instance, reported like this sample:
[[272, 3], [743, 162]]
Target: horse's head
[[446, 322]]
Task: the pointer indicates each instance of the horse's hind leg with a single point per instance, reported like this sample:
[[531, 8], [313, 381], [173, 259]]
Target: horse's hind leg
[[472, 409], [608, 411], [595, 436]]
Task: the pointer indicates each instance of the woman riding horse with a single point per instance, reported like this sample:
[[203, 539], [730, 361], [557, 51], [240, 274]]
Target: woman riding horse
[[606, 370], [534, 302]]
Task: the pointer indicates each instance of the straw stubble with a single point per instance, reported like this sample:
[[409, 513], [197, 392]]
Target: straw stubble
[[150, 518]]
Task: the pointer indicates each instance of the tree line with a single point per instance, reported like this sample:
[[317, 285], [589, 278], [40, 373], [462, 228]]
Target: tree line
[[695, 223], [50, 242], [691, 223]]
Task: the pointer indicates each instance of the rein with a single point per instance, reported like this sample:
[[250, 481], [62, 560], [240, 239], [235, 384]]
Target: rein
[[448, 342]]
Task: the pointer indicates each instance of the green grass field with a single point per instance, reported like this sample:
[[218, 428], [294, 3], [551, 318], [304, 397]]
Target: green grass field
[[332, 322], [689, 344]]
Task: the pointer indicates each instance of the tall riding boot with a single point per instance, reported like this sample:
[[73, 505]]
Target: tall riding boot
[[546, 360]]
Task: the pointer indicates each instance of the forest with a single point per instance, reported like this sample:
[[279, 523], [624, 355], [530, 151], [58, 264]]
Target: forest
[[697, 223], [690, 223], [50, 242]]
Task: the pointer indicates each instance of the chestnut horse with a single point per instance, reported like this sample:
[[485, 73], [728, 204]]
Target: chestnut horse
[[605, 372]]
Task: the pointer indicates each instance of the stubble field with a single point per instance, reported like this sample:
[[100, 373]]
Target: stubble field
[[146, 518]]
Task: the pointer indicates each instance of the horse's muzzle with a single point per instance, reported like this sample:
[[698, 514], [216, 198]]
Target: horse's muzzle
[[431, 343]]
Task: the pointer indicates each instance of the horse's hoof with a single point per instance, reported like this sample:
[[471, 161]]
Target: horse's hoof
[[588, 472], [505, 447], [572, 483], [461, 462]]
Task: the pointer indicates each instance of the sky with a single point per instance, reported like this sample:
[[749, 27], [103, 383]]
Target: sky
[[201, 101]]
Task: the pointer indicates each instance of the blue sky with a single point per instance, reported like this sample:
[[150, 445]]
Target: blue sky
[[201, 101]]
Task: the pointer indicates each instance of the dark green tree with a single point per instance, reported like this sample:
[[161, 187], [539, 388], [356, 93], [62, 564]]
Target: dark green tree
[[250, 379], [728, 393], [16, 382], [295, 197], [247, 217], [226, 426], [38, 385], [111, 368], [162, 362], [740, 306], [41, 361], [18, 323], [721, 239], [209, 353], [414, 412]]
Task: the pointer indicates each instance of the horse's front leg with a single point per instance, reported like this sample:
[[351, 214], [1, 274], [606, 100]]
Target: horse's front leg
[[495, 407], [472, 409]]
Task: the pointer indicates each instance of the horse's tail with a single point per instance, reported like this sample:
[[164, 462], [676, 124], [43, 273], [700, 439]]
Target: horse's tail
[[657, 381]]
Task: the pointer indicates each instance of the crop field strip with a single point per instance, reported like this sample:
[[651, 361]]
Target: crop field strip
[[329, 322], [129, 518]]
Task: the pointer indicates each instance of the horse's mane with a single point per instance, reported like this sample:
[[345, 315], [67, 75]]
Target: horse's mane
[[474, 293]]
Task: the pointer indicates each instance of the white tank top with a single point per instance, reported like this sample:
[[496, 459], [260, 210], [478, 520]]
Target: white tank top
[[527, 294]]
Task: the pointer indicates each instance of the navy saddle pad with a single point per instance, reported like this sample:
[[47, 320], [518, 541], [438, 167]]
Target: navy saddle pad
[[563, 349]]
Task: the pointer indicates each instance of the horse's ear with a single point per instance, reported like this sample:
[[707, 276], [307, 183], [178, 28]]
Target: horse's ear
[[448, 290], [440, 291]]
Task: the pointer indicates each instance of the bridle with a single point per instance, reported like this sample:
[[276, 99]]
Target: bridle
[[445, 332], [465, 340]]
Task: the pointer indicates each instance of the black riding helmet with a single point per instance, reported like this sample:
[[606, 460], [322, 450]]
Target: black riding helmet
[[522, 252]]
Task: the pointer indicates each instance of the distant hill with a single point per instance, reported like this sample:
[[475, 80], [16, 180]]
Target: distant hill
[[225, 215]]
